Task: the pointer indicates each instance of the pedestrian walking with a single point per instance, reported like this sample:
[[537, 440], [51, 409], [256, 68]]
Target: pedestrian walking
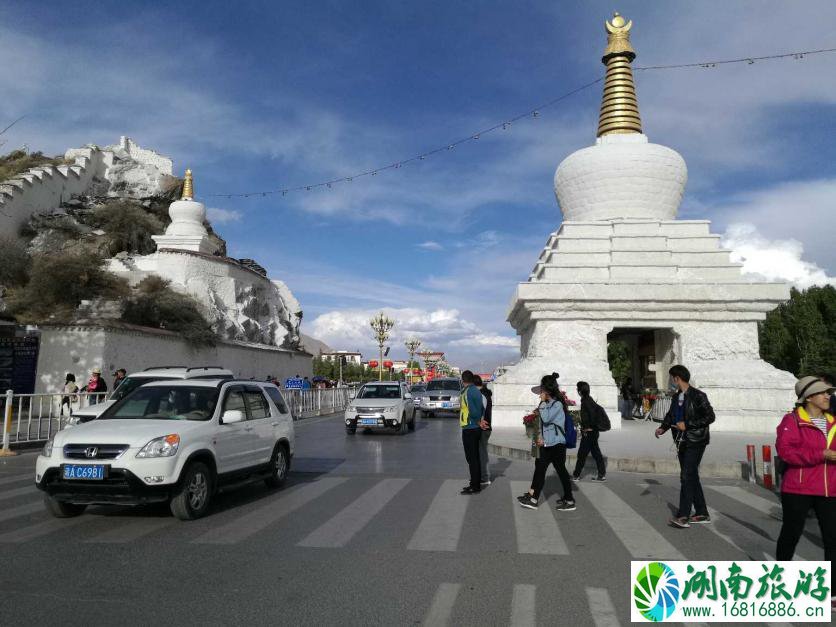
[[69, 390], [688, 419], [470, 417], [485, 425], [594, 419], [627, 397], [95, 386], [119, 376], [552, 445], [807, 446]]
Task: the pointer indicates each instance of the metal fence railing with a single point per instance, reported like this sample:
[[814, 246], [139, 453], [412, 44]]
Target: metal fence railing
[[30, 418]]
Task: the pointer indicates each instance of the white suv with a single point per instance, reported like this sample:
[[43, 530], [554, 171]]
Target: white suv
[[135, 379], [170, 441], [381, 405]]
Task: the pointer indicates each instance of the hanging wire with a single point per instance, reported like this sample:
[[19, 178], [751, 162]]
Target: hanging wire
[[534, 112]]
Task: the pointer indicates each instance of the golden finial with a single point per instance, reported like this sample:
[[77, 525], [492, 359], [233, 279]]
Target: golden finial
[[619, 107], [188, 187]]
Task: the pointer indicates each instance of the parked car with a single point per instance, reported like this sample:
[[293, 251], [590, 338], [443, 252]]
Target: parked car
[[442, 396], [178, 442], [381, 405], [417, 391], [134, 380]]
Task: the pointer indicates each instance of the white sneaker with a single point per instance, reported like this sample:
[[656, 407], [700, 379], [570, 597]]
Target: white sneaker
[[485, 484]]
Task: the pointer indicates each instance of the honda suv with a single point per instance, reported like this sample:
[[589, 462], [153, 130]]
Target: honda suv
[[178, 442], [135, 379]]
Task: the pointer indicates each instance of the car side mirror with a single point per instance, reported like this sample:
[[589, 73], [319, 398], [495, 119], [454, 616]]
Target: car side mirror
[[232, 416]]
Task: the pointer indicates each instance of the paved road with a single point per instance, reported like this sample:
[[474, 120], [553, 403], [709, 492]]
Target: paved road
[[369, 530]]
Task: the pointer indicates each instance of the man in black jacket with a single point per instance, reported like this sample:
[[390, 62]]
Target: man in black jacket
[[590, 427], [688, 419]]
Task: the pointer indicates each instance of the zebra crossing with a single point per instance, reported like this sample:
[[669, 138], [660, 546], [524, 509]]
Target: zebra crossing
[[745, 522]]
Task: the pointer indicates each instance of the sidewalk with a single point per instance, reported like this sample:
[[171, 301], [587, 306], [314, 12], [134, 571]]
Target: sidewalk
[[633, 448]]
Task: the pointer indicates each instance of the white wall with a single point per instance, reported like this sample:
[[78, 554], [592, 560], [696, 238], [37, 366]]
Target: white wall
[[79, 349]]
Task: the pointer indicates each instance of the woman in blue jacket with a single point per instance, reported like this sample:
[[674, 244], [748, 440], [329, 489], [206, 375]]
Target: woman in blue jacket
[[552, 443]]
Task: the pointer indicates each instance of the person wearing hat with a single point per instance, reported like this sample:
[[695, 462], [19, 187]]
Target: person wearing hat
[[807, 445], [95, 386]]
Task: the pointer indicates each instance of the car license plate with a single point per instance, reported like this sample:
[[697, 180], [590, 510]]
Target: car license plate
[[447, 404], [78, 471], [368, 421]]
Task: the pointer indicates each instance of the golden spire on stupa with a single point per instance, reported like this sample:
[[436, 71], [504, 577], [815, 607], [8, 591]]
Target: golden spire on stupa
[[619, 107], [188, 187]]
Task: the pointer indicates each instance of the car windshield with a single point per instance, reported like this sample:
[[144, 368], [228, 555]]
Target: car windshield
[[129, 385], [165, 402], [416, 388], [380, 391], [448, 385]]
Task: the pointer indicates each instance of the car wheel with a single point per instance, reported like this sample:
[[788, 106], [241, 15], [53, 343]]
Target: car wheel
[[62, 510], [402, 428], [412, 422], [279, 465], [191, 500]]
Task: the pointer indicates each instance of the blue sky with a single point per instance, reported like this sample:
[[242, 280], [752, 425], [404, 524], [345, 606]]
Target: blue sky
[[263, 95]]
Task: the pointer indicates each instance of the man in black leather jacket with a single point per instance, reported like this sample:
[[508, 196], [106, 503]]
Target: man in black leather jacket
[[688, 419]]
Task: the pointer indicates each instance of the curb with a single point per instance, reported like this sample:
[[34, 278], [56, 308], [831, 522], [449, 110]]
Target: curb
[[656, 466]]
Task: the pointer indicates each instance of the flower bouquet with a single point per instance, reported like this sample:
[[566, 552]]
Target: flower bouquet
[[532, 431]]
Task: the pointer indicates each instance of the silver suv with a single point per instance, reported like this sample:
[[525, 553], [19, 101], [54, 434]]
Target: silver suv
[[381, 405], [441, 396], [135, 379]]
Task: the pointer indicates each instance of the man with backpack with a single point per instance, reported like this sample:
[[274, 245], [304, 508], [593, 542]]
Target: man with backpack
[[688, 419], [594, 419]]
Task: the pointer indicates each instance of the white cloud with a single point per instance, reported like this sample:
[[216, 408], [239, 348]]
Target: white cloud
[[223, 216], [492, 341], [431, 245], [772, 259]]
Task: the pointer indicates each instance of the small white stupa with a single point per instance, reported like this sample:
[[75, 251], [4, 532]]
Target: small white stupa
[[186, 231], [622, 267]]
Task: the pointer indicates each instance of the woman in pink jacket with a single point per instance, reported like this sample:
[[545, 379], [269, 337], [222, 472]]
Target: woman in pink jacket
[[807, 444]]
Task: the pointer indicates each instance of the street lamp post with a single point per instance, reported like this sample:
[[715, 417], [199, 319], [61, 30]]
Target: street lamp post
[[381, 325], [412, 346]]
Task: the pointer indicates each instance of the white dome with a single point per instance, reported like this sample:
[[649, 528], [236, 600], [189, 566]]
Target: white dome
[[186, 218], [622, 176]]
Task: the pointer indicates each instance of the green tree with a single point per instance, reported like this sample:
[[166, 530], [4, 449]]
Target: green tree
[[620, 360], [800, 334]]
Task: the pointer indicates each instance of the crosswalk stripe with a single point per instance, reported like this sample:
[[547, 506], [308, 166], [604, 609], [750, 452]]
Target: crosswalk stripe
[[131, 531], [637, 535], [283, 504], [442, 606], [41, 529], [537, 530], [441, 526], [16, 478], [523, 608], [21, 510], [601, 608], [10, 494], [765, 506], [341, 528]]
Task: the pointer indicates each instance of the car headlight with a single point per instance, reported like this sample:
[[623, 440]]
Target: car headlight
[[47, 452], [164, 446]]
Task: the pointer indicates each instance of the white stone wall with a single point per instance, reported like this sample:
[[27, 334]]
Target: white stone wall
[[145, 156], [79, 349]]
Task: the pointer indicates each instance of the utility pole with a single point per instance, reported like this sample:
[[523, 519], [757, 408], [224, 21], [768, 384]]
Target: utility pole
[[381, 325]]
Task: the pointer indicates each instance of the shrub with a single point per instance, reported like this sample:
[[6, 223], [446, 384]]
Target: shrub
[[155, 304], [18, 161], [128, 226], [59, 282], [15, 262]]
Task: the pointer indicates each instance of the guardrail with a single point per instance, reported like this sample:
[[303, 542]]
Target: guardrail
[[30, 418], [37, 417]]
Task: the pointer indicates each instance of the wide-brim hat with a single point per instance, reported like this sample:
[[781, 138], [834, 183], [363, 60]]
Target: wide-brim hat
[[537, 389], [97, 371], [806, 387]]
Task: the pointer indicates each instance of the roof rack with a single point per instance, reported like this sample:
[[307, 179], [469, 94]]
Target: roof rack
[[205, 368], [184, 368]]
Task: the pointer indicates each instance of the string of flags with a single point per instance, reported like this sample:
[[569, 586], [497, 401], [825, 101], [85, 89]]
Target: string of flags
[[532, 113]]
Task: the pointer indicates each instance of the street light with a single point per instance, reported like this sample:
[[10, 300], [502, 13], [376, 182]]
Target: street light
[[381, 325], [412, 346]]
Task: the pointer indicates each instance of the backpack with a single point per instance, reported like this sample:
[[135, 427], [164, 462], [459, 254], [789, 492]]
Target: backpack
[[569, 432], [602, 421]]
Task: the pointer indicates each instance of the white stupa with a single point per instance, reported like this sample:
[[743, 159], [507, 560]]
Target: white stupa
[[621, 266], [186, 231]]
